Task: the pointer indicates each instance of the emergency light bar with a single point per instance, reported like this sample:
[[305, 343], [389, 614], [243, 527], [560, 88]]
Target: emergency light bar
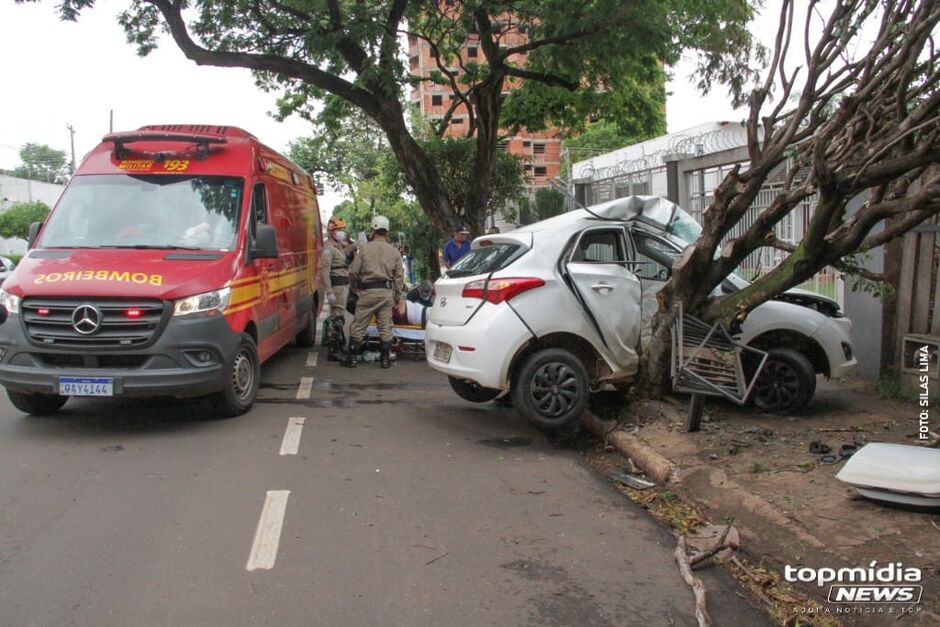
[[129, 137]]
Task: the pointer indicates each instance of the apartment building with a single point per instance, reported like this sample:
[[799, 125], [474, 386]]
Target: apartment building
[[540, 151]]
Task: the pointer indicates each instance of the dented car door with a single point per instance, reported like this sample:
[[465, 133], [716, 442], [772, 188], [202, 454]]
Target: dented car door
[[599, 267]]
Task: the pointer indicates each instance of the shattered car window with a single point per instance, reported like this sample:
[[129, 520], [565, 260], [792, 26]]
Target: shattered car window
[[684, 226]]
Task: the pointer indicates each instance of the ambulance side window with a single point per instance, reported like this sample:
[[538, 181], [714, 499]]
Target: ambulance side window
[[259, 207]]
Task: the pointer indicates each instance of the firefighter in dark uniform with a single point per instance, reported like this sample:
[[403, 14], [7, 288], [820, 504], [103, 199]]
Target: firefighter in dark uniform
[[377, 270], [334, 277]]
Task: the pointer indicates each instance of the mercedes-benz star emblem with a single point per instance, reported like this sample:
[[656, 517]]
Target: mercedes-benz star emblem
[[86, 319]]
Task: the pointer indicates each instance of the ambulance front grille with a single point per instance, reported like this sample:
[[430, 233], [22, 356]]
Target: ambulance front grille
[[91, 323]]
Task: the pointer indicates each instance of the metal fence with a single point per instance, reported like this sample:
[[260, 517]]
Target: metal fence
[[790, 229]]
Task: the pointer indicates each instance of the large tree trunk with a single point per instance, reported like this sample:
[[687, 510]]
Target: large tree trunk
[[488, 111], [418, 168]]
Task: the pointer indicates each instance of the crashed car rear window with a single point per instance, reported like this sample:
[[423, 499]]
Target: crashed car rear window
[[484, 260]]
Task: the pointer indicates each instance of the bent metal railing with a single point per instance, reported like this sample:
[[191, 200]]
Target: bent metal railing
[[706, 361]]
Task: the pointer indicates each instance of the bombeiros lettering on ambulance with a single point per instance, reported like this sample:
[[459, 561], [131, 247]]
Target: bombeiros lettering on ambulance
[[191, 250], [100, 275]]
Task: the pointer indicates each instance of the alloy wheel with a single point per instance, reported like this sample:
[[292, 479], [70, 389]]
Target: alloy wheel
[[554, 389], [778, 384]]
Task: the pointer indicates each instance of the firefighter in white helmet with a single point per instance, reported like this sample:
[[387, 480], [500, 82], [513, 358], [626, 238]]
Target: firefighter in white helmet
[[377, 270]]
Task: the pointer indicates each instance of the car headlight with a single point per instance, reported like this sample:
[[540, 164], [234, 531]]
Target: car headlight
[[208, 302], [11, 302]]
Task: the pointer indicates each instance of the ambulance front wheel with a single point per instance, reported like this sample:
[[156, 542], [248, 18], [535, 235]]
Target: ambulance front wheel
[[36, 404], [241, 385]]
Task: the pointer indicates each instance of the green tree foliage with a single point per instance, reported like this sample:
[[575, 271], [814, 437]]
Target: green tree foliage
[[546, 203], [39, 162], [15, 221], [352, 50], [347, 149], [455, 162]]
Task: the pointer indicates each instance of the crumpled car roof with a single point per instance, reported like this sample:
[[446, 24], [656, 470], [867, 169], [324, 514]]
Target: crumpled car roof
[[653, 209]]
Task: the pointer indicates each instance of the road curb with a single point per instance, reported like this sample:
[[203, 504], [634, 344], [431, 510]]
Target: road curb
[[657, 467], [708, 488]]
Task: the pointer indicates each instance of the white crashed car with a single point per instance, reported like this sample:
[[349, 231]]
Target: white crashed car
[[560, 308]]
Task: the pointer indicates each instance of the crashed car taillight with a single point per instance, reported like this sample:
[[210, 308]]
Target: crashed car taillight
[[499, 290]]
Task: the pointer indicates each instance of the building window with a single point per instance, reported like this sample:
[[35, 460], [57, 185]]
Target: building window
[[540, 170], [526, 144], [472, 51], [456, 120], [538, 149], [437, 100]]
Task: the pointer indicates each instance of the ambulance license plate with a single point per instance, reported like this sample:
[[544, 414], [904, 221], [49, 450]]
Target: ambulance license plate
[[442, 352], [86, 386]]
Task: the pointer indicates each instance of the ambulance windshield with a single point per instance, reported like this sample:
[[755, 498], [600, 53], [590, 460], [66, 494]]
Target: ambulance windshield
[[150, 211]]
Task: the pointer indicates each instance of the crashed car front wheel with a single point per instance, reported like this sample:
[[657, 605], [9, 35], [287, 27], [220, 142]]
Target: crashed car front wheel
[[786, 384], [551, 389]]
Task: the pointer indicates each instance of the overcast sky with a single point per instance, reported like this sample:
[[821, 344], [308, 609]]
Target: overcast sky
[[57, 73]]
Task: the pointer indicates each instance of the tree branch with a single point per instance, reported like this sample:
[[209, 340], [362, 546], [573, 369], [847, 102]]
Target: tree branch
[[172, 13]]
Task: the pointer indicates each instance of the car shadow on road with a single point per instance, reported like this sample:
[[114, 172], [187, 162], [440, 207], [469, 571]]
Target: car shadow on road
[[94, 417]]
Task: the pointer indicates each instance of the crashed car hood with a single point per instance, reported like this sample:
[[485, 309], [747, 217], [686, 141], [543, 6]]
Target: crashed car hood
[[895, 467]]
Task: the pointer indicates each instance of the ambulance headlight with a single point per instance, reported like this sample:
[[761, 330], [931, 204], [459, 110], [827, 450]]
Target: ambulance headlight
[[208, 303], [11, 302]]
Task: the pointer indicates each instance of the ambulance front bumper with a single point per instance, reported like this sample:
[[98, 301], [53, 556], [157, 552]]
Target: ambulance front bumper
[[189, 358]]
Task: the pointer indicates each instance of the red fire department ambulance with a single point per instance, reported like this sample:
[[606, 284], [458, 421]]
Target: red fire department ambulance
[[178, 259]]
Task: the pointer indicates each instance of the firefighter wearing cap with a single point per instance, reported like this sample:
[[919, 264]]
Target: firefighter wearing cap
[[377, 270], [334, 277]]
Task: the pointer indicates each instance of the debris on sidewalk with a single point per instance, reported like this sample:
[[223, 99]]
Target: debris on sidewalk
[[634, 481], [687, 564]]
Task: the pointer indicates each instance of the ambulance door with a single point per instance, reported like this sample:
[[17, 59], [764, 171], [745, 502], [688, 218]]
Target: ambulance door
[[268, 310], [280, 205]]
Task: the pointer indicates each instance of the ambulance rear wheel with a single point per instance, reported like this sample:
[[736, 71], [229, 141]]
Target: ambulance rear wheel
[[241, 384], [36, 404]]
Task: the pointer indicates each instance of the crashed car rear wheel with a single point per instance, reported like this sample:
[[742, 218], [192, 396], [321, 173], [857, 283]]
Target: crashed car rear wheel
[[786, 384], [551, 389], [473, 392]]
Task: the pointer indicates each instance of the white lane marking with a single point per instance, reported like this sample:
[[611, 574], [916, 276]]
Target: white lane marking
[[312, 360], [303, 390], [268, 535], [291, 443]]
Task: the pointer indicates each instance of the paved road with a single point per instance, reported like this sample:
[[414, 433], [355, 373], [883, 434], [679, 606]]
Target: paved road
[[403, 506]]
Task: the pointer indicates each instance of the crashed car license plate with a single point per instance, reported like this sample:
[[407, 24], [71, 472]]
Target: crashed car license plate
[[86, 386], [442, 352]]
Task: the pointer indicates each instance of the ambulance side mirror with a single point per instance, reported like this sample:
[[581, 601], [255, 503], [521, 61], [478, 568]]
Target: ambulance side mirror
[[265, 245], [33, 233]]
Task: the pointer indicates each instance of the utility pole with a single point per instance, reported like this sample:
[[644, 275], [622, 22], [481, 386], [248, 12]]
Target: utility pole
[[111, 122], [72, 141]]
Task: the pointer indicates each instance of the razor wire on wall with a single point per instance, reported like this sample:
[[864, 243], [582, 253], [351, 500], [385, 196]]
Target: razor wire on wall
[[646, 175]]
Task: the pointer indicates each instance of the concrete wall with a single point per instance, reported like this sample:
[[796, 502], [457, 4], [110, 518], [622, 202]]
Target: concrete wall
[[14, 189], [864, 310]]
